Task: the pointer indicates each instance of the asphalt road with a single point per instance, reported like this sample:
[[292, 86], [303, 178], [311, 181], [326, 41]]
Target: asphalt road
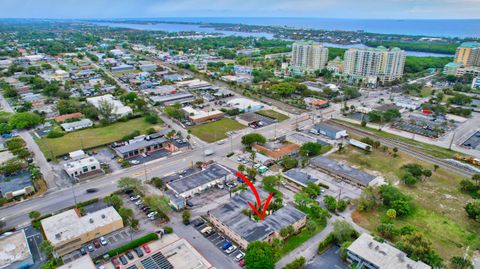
[[53, 201]]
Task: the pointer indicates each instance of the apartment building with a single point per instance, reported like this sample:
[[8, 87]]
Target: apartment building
[[374, 64], [68, 230], [468, 53], [309, 55]]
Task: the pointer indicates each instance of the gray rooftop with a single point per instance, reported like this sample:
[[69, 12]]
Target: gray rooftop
[[299, 176], [195, 180], [327, 127], [342, 169], [15, 182], [140, 144], [230, 214]]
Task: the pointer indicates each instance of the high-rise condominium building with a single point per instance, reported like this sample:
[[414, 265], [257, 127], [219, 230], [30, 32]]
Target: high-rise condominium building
[[468, 53], [374, 64], [309, 55]]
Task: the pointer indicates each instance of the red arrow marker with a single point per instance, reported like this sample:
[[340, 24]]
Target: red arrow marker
[[257, 197]]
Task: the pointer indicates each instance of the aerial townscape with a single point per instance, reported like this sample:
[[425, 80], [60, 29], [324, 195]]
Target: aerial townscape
[[207, 134]]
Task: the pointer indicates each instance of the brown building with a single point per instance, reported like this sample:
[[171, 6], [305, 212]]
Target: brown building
[[199, 116], [68, 230], [277, 151]]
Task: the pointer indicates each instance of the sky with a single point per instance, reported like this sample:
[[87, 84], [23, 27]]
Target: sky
[[374, 9]]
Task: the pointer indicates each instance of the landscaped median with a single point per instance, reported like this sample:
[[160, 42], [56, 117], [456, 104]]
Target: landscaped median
[[133, 244], [90, 138]]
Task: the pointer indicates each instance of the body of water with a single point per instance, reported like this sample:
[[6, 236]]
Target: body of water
[[179, 27], [436, 28]]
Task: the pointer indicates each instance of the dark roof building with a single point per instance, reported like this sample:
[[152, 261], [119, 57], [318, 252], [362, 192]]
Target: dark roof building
[[230, 219], [299, 177], [16, 185], [199, 181], [143, 145], [344, 172], [328, 130]]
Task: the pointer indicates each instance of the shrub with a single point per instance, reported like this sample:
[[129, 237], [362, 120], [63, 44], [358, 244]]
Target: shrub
[[133, 244], [168, 229], [55, 134]]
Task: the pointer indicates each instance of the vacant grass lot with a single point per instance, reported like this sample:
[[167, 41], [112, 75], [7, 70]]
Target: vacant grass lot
[[273, 114], [90, 138], [214, 131], [440, 214]]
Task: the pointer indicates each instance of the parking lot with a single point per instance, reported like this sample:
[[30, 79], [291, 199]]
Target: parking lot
[[34, 239], [217, 239], [115, 240], [473, 141], [330, 259]]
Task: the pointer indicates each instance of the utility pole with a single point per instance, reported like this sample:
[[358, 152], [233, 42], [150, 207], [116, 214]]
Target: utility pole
[[231, 142], [73, 190], [451, 141], [145, 172]]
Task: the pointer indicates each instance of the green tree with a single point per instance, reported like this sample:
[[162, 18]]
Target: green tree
[[24, 120], [298, 263], [391, 213], [330, 203], [34, 215], [130, 183], [287, 231], [186, 216], [457, 262], [114, 200], [310, 149], [343, 231], [47, 248], [253, 138], [126, 214], [259, 255]]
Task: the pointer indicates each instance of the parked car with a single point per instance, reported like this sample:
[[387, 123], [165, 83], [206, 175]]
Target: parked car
[[241, 263], [123, 260], [239, 257], [198, 222], [231, 249], [116, 263], [226, 245], [96, 243], [152, 214], [139, 202], [99, 265], [83, 251], [92, 190], [146, 248], [134, 162], [90, 248], [138, 251], [135, 198], [190, 204], [129, 255], [103, 241]]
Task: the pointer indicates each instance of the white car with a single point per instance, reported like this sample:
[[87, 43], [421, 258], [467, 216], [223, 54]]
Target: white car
[[134, 198], [134, 162], [257, 165], [152, 214], [239, 257], [231, 249], [139, 202], [103, 241]]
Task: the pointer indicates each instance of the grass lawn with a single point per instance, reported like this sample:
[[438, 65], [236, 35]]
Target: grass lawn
[[214, 131], [273, 114], [439, 215], [433, 150], [426, 92], [91, 138], [297, 240]]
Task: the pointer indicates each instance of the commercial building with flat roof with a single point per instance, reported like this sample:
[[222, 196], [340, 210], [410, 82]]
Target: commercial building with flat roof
[[328, 130], [170, 99], [16, 185], [276, 150], [143, 145], [366, 252], [199, 181], [68, 230], [76, 125], [14, 251], [230, 220], [84, 262], [119, 109], [299, 177], [245, 105], [345, 172], [84, 166], [199, 116]]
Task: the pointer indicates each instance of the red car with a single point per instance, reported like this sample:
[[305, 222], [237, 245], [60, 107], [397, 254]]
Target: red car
[[96, 243], [116, 263], [241, 263], [146, 248]]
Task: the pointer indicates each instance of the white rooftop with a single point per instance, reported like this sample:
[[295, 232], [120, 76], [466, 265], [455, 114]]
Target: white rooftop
[[119, 107], [69, 224], [243, 103], [198, 114], [13, 248], [73, 165], [383, 255]]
